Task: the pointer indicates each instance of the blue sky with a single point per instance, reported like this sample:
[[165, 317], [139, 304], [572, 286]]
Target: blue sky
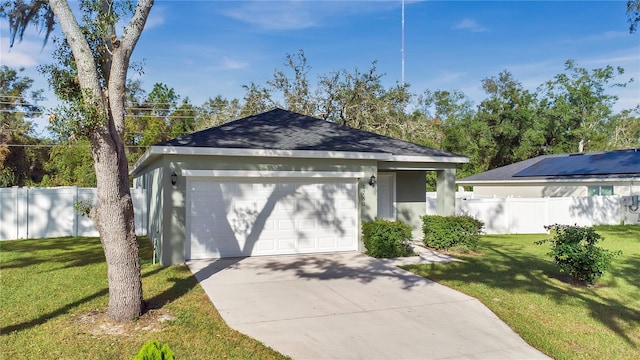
[[208, 48]]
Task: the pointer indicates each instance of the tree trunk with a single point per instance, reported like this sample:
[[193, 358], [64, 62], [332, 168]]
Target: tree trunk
[[114, 220], [113, 216]]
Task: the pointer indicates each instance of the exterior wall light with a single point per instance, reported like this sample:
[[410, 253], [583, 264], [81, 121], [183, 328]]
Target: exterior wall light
[[174, 178], [372, 180]]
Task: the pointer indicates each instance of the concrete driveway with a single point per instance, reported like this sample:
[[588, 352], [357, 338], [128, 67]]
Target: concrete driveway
[[351, 306]]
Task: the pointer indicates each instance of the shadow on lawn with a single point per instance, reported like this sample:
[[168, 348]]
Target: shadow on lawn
[[181, 285], [619, 230], [54, 254], [79, 252], [533, 274], [46, 317], [67, 251], [628, 269]]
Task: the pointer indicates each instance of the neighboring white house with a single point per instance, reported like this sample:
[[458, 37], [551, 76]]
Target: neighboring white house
[[595, 188], [566, 175], [283, 183]]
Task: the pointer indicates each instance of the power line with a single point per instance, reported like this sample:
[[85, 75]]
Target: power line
[[144, 105], [125, 133], [12, 96], [175, 105], [65, 145], [33, 112], [16, 103]]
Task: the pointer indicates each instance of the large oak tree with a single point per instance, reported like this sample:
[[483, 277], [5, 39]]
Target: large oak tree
[[101, 60]]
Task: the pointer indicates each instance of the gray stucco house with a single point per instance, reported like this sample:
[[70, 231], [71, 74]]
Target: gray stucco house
[[283, 183]]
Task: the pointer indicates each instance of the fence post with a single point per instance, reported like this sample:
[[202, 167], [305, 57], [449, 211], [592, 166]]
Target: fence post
[[507, 213], [22, 212], [621, 210], [75, 213], [27, 212], [547, 210], [17, 212]]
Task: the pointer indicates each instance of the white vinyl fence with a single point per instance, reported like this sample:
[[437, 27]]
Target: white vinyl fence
[[530, 215], [31, 213]]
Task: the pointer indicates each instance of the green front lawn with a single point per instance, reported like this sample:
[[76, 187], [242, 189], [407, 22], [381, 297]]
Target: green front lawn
[[53, 294], [520, 283]]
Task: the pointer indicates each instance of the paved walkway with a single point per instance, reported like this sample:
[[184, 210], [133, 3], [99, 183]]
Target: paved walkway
[[351, 306]]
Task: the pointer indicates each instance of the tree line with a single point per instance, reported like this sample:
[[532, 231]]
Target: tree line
[[572, 112]]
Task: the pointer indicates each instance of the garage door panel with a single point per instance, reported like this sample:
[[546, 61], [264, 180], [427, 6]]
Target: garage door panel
[[287, 204], [287, 245], [346, 204], [286, 225], [325, 243], [263, 187], [328, 225], [269, 225], [245, 205], [307, 205], [349, 222], [283, 216], [306, 243], [344, 243], [266, 245], [232, 190], [308, 224]]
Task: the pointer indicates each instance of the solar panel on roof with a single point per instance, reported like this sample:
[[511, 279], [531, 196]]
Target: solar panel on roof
[[613, 162]]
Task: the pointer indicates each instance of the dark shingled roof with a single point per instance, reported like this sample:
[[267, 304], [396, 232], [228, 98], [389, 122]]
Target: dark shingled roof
[[598, 165], [285, 130]]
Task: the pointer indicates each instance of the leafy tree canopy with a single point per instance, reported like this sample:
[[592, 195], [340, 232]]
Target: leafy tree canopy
[[21, 159]]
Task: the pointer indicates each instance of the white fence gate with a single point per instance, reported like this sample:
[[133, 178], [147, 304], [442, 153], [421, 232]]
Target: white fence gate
[[31, 213], [530, 215]]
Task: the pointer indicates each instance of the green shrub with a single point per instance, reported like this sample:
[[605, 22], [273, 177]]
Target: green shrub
[[574, 250], [386, 239], [154, 350], [447, 232]]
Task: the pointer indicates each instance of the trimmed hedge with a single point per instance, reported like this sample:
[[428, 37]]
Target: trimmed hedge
[[446, 232], [386, 239]]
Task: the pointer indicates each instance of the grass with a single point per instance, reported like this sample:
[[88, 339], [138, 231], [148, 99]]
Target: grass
[[53, 293], [520, 283]]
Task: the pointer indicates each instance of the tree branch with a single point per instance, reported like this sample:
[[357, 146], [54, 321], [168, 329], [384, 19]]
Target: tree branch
[[120, 64], [87, 71]]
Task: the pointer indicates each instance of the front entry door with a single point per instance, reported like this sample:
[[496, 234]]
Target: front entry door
[[386, 196]]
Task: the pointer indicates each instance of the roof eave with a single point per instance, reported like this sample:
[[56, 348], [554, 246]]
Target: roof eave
[[546, 181], [155, 151], [430, 159], [148, 154]]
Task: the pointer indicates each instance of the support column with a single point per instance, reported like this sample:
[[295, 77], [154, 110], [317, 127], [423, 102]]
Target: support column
[[446, 191]]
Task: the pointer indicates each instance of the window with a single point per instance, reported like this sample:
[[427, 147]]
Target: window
[[600, 190]]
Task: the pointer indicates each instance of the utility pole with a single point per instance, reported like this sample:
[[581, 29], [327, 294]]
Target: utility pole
[[402, 50]]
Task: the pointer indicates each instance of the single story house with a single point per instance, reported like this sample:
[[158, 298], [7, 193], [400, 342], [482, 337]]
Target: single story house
[[283, 183], [565, 175]]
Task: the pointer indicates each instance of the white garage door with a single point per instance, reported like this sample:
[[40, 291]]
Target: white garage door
[[248, 216]]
